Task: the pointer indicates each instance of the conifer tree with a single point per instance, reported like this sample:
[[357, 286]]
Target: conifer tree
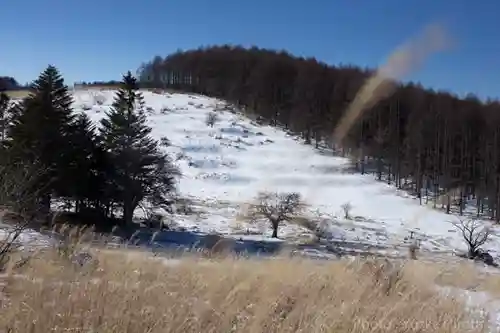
[[140, 170], [40, 128], [76, 179]]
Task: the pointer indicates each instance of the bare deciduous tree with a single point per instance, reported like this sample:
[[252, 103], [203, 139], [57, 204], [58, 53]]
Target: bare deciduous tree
[[19, 188], [276, 207], [417, 139], [211, 119], [413, 249], [9, 243], [474, 233], [347, 207], [18, 203]]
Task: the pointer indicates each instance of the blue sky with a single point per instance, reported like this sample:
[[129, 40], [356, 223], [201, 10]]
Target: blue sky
[[101, 39]]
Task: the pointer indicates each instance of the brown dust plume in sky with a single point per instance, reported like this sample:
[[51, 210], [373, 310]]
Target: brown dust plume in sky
[[405, 59]]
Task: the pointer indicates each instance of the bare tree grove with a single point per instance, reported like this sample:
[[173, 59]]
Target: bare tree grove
[[439, 147]]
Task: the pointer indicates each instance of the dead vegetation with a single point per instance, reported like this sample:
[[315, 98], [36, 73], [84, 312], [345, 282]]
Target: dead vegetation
[[346, 208], [18, 94], [413, 249], [19, 208], [211, 119], [475, 234], [129, 292]]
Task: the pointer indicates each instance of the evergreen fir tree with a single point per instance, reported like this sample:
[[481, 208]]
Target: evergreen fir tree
[[102, 196], [40, 127], [141, 170], [75, 181]]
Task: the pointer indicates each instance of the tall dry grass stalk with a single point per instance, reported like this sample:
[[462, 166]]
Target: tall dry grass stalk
[[400, 63], [134, 293]]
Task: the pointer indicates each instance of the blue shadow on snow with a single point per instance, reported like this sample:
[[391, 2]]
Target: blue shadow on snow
[[188, 240]]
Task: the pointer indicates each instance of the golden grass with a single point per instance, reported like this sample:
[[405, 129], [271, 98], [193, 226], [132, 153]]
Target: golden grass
[[117, 86], [131, 292], [17, 94], [97, 87]]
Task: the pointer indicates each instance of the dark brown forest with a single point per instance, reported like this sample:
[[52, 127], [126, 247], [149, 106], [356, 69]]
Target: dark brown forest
[[443, 149]]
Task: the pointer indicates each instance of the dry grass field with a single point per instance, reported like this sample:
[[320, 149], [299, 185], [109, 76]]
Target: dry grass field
[[132, 292], [95, 87], [118, 86], [20, 94], [17, 94]]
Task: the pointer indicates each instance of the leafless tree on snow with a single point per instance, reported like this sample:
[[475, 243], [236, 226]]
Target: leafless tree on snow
[[276, 207], [475, 234]]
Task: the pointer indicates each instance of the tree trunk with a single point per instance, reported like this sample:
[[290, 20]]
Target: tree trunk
[[45, 203], [128, 213], [275, 225]]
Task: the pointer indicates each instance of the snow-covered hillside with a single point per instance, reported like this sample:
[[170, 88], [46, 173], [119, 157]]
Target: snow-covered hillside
[[226, 166]]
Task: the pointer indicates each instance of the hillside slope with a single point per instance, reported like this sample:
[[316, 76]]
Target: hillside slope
[[226, 166]]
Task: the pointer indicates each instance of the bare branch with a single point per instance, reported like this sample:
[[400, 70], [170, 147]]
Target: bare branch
[[347, 207], [276, 207], [474, 233], [211, 119], [19, 203]]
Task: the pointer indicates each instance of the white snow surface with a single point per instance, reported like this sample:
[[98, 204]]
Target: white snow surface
[[479, 303], [27, 238], [226, 165]]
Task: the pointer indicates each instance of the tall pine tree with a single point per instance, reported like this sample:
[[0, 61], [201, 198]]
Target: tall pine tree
[[41, 125], [140, 170]]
